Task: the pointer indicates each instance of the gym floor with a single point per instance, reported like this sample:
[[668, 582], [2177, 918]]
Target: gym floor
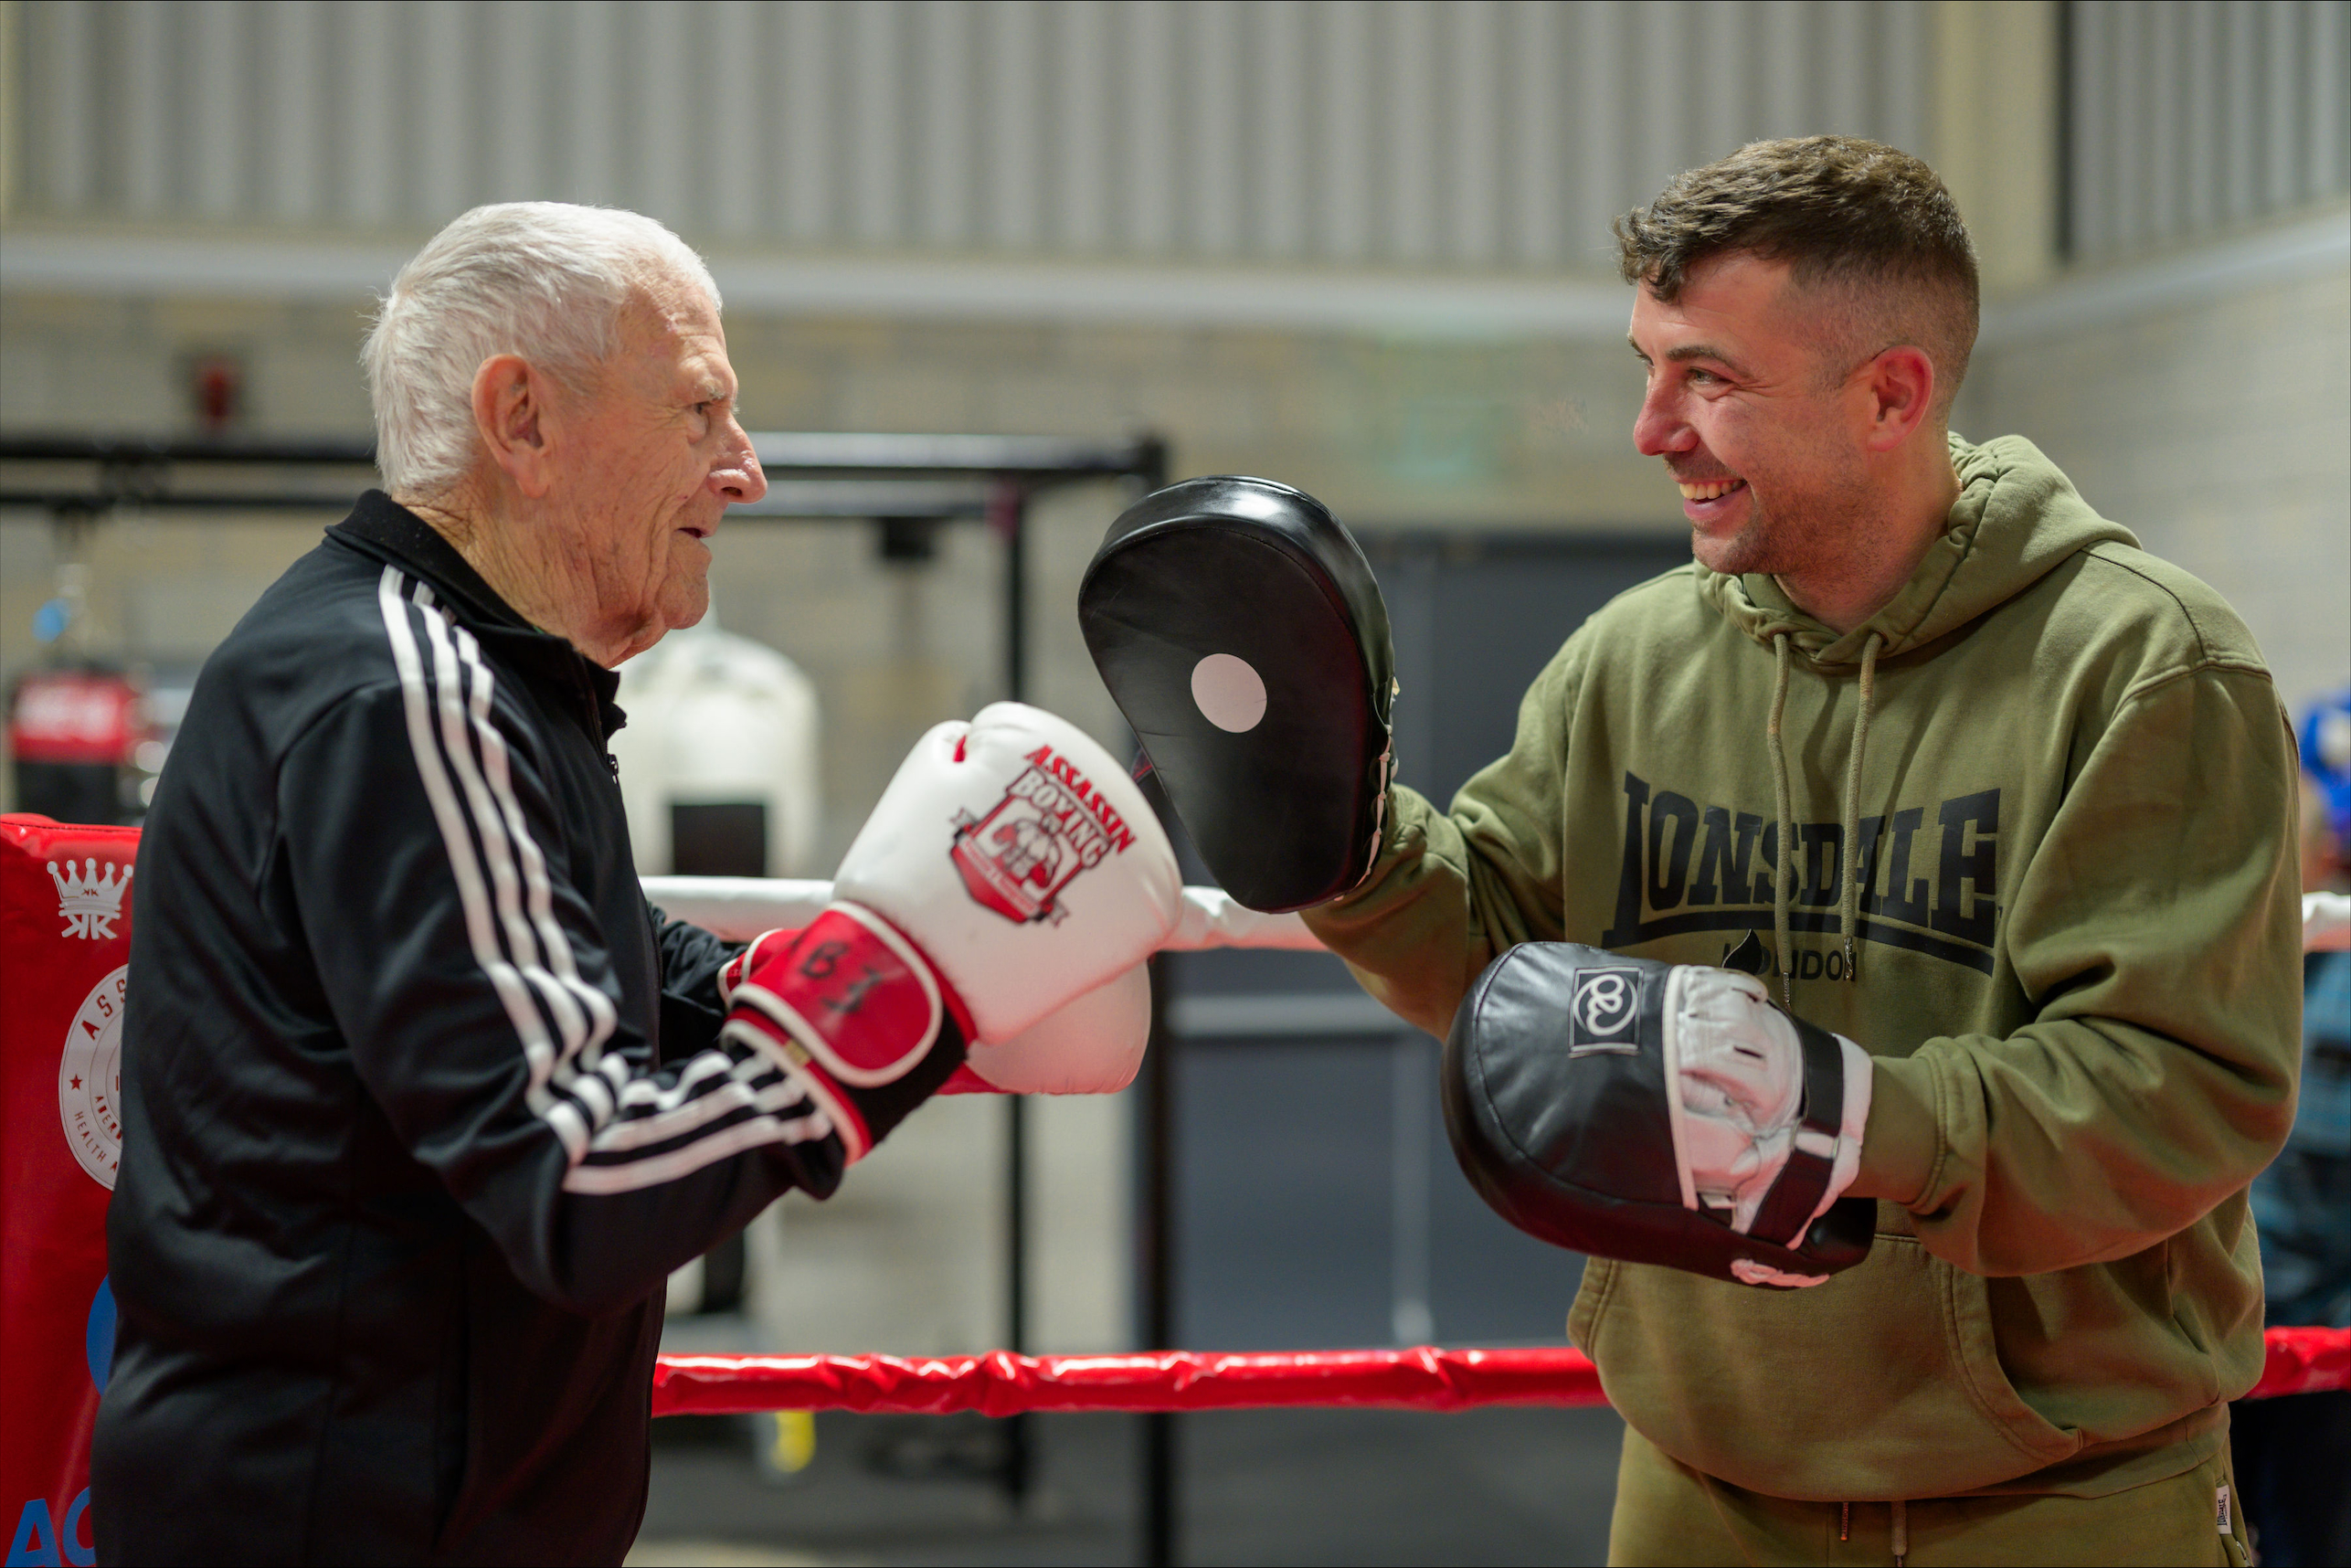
[[1499, 1486]]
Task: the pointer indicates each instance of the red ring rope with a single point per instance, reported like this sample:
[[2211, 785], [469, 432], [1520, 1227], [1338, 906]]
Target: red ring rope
[[2301, 1360]]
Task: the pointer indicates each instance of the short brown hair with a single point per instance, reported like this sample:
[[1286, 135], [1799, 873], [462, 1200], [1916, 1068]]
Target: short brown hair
[[1855, 216]]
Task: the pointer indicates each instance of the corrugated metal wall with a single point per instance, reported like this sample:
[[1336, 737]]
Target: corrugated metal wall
[[1467, 133], [1472, 134], [2187, 117]]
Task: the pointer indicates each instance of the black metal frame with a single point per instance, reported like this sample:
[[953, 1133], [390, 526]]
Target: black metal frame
[[891, 479]]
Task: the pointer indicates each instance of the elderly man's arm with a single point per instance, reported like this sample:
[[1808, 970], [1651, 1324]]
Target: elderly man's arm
[[2157, 924], [693, 1010], [481, 1010]]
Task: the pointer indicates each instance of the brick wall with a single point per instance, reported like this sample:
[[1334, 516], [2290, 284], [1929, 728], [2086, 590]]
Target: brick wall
[[2220, 433], [1390, 432]]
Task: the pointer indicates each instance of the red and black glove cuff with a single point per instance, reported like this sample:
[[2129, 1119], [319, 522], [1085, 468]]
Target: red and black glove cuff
[[855, 1017]]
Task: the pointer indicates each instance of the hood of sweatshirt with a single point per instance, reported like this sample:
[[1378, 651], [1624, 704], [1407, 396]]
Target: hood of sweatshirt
[[2016, 518]]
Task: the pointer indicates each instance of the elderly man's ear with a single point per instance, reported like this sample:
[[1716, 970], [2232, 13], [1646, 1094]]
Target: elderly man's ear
[[514, 409]]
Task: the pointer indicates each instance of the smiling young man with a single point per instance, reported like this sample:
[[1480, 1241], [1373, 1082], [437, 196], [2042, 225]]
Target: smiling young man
[[2009, 803]]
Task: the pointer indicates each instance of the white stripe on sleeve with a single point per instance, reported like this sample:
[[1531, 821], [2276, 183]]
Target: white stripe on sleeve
[[593, 1103], [538, 1049]]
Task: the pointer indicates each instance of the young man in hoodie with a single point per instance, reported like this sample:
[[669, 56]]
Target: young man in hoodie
[[2011, 803]]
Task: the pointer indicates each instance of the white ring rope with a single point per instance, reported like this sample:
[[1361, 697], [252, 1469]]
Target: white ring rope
[[739, 908]]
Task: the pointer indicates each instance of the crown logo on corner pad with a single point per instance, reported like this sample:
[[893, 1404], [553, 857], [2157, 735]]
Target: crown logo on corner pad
[[90, 900]]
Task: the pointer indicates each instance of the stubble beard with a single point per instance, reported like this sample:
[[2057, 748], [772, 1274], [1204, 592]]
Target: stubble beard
[[1808, 536]]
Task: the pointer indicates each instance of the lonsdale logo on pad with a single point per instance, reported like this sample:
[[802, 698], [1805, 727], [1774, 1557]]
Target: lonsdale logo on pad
[[1605, 1012], [1051, 825]]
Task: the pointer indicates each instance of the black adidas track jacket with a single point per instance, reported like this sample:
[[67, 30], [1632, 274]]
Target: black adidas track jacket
[[422, 1103]]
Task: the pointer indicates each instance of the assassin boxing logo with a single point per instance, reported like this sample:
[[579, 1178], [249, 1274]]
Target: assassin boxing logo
[[1050, 826]]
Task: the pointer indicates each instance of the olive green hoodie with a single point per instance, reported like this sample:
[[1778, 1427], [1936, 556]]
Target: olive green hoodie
[[2066, 785]]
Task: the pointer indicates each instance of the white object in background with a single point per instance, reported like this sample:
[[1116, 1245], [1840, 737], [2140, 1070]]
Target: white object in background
[[2325, 922], [715, 718], [739, 908], [1210, 919]]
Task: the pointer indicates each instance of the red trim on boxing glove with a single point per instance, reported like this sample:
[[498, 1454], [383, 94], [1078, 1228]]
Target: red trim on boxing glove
[[731, 972], [855, 1015], [964, 1081]]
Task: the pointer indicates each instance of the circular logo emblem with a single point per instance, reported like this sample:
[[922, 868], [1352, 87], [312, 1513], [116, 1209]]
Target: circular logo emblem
[[89, 1080], [1606, 1000]]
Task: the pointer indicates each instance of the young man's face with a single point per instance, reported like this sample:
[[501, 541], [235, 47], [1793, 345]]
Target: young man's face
[[1758, 424]]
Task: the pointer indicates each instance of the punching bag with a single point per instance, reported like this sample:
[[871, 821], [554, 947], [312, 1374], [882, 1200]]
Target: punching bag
[[65, 949], [718, 761]]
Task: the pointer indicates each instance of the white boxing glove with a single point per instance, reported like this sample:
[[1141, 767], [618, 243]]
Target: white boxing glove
[[1019, 856], [1091, 1045], [1011, 867], [1738, 1080]]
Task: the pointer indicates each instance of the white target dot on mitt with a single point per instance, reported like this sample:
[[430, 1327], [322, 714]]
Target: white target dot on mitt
[[1230, 692], [1239, 629]]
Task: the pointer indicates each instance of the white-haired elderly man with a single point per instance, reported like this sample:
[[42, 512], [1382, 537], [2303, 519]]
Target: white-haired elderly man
[[422, 1103]]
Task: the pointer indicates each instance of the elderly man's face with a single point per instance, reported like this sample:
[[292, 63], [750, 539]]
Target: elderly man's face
[[659, 458]]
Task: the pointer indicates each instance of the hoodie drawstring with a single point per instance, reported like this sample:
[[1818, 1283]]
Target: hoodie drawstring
[[1850, 917], [1785, 955], [1784, 873]]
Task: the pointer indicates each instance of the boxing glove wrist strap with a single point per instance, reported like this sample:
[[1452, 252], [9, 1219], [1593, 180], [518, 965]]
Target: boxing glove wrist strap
[[855, 1017], [1797, 1196]]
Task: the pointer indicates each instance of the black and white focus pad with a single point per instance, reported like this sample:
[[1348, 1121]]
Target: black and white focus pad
[[1239, 630], [1558, 1090]]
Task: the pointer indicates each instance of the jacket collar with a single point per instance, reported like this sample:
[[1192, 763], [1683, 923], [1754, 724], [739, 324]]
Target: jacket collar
[[381, 527]]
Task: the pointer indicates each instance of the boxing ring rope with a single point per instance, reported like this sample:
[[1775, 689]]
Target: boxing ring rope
[[1000, 1382], [2300, 1361]]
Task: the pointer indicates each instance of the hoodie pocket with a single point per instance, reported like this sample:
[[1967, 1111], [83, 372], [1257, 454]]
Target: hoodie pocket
[[1975, 1349], [1883, 1382]]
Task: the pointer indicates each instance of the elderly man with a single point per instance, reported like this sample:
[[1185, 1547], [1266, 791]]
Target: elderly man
[[422, 1102]]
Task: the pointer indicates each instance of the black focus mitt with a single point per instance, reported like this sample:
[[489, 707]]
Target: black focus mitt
[[1239, 630], [1658, 1113]]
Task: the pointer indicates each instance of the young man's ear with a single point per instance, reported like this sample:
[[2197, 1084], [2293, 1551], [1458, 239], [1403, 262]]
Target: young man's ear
[[512, 414], [1901, 383]]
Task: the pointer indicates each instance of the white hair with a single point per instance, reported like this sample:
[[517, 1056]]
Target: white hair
[[544, 279]]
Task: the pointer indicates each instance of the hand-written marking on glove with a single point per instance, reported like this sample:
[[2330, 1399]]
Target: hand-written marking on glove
[[823, 962], [851, 999]]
